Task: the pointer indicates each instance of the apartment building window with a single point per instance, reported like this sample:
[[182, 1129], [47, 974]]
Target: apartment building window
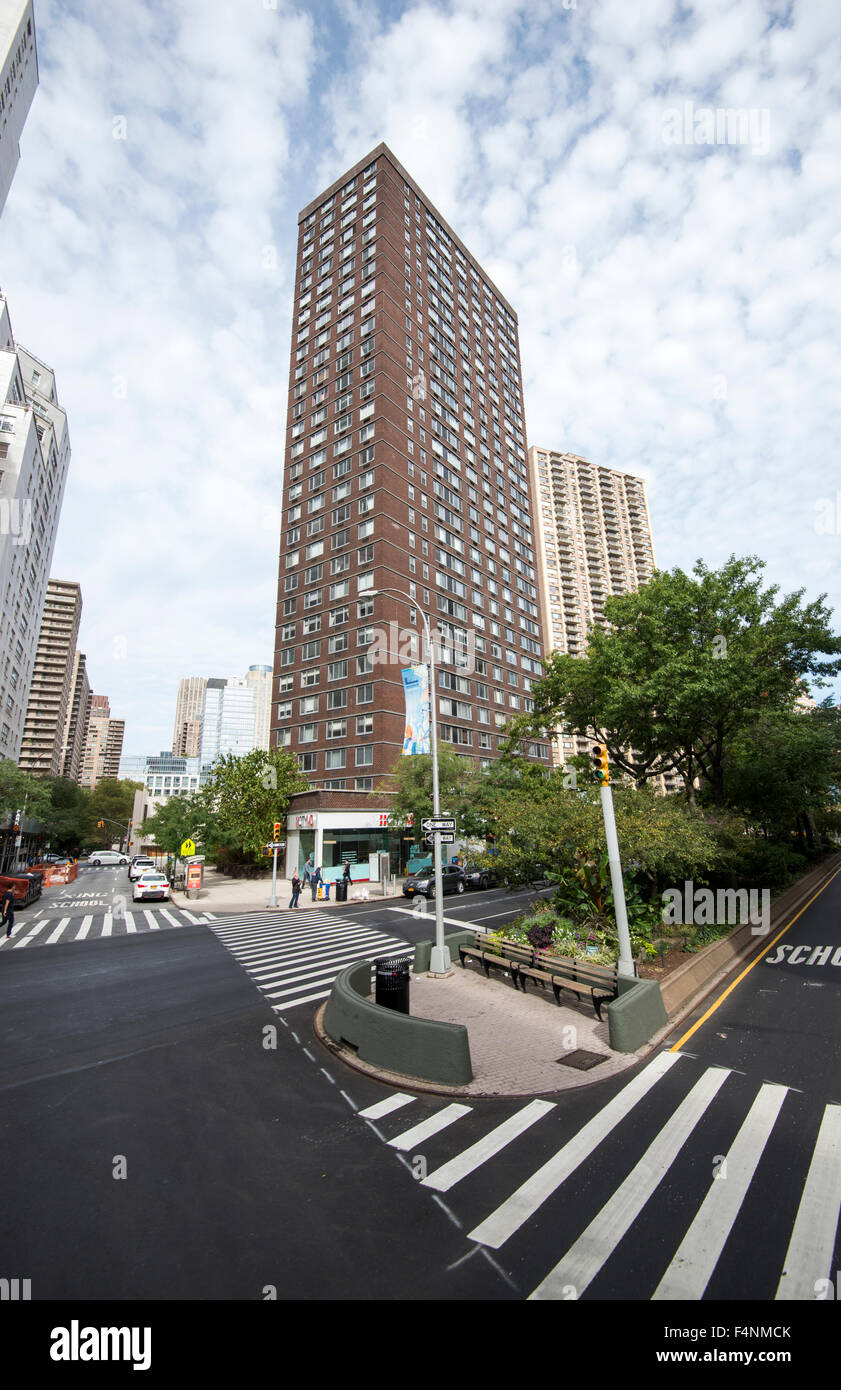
[[310, 678], [336, 728], [307, 762], [336, 699], [312, 598], [364, 666], [365, 755], [365, 694], [311, 651], [335, 758], [364, 724], [364, 784], [284, 710], [337, 671], [283, 738], [339, 643], [308, 704], [307, 733]]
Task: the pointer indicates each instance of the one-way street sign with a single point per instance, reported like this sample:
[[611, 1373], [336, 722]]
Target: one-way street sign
[[447, 838], [438, 823]]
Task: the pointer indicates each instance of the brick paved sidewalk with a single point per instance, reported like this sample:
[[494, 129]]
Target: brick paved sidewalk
[[223, 894], [516, 1038]]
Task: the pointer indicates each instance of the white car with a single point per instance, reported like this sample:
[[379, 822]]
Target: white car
[[150, 884], [139, 865], [107, 856]]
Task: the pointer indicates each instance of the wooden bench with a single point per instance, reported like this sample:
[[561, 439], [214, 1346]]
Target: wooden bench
[[578, 976], [494, 953]]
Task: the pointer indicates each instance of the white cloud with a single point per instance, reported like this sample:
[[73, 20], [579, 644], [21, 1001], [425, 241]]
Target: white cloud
[[676, 302]]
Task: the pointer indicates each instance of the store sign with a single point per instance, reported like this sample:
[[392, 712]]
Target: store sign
[[416, 738], [306, 821]]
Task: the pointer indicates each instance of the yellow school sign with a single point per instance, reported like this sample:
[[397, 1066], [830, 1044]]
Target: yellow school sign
[[188, 847]]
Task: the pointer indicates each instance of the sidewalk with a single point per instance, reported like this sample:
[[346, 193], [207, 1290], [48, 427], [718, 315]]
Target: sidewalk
[[223, 894]]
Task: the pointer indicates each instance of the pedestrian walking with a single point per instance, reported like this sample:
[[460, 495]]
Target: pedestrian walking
[[346, 874], [308, 869], [315, 881], [7, 911], [296, 889]]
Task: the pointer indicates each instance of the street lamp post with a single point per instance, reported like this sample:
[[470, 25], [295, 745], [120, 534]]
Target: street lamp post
[[439, 961]]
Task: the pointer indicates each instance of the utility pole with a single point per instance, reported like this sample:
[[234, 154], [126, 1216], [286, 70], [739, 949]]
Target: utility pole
[[625, 964]]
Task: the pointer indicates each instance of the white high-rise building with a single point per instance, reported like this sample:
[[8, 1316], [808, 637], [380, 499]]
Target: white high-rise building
[[260, 680], [34, 458], [227, 720], [18, 80]]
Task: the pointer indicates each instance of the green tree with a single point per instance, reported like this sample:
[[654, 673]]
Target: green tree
[[784, 774], [662, 841], [20, 791], [182, 817], [68, 822], [112, 801], [411, 781], [684, 669], [246, 795]]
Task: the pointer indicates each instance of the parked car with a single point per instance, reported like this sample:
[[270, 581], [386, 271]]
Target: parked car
[[150, 884], [107, 856], [452, 881], [480, 878], [139, 864]]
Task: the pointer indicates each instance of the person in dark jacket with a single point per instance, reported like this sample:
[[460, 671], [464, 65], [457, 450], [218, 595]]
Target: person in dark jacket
[[315, 880], [7, 911], [346, 874], [296, 889]]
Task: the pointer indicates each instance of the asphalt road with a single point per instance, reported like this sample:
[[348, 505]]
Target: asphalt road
[[704, 1173]]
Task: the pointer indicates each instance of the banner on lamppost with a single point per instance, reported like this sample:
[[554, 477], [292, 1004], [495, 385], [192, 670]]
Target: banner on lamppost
[[416, 737]]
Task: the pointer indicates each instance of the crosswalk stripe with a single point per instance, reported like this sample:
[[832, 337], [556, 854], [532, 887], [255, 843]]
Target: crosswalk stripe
[[353, 951], [700, 1250], [85, 928], [107, 924], [522, 1204], [467, 1162], [420, 1132], [577, 1269], [36, 928], [307, 999], [189, 916], [129, 916], [169, 917], [150, 918], [385, 1107], [809, 1255], [260, 962], [264, 940], [57, 933]]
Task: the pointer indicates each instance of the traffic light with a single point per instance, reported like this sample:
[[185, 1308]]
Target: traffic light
[[100, 825], [277, 829], [599, 756]]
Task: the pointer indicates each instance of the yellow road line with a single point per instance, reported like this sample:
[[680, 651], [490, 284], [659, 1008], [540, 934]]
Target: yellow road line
[[748, 968]]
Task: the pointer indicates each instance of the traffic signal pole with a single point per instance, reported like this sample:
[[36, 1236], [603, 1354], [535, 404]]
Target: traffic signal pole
[[625, 964]]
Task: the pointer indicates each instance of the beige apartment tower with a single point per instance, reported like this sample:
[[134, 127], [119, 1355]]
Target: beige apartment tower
[[189, 707], [593, 539], [53, 675]]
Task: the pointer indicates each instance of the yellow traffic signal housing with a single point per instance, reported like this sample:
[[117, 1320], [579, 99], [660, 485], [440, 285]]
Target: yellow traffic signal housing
[[600, 764], [277, 828], [100, 825]]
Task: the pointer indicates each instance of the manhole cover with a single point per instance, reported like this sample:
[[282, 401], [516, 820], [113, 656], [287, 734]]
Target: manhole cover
[[581, 1059]]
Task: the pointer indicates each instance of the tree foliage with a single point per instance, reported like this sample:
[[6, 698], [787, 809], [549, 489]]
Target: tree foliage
[[246, 795], [684, 670]]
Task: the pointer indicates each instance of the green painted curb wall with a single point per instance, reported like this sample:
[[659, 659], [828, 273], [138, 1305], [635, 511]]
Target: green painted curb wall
[[413, 1047]]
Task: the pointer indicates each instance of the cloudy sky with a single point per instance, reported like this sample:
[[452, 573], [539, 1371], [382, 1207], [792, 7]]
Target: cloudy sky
[[676, 279]]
